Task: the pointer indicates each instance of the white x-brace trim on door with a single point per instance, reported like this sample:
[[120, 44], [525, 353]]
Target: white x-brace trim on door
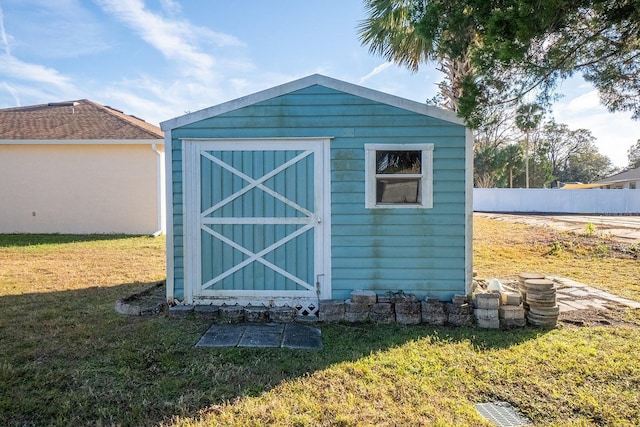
[[256, 183], [259, 257], [319, 220]]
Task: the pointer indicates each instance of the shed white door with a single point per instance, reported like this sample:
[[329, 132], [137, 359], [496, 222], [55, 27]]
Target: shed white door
[[257, 221]]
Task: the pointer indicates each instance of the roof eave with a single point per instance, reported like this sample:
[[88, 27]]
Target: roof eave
[[159, 141]]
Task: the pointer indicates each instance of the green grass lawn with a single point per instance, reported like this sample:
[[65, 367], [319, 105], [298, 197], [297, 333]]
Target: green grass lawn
[[67, 358]]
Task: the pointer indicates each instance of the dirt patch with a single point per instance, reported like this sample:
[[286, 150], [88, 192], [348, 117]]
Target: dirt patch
[[585, 245], [151, 300], [614, 315]]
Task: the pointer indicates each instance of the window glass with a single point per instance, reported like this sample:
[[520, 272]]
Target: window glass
[[398, 162], [398, 190]]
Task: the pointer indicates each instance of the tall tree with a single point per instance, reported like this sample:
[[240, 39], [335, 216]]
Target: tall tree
[[562, 143], [511, 158], [486, 166], [588, 165], [541, 176], [497, 129], [634, 155], [528, 117]]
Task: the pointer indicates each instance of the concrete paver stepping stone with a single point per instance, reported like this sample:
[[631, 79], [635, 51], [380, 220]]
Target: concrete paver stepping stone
[[302, 337], [264, 335], [268, 335], [222, 336]]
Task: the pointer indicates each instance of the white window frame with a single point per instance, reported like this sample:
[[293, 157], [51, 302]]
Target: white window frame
[[426, 176]]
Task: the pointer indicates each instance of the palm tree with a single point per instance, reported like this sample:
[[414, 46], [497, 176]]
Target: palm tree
[[390, 31], [511, 158], [528, 117]]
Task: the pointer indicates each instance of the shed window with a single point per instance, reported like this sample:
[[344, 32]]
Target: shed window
[[399, 175]]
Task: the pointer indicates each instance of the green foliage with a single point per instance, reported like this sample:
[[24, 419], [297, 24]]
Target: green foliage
[[9, 240], [558, 153], [589, 229], [499, 166], [557, 248], [634, 155], [601, 250], [528, 117], [572, 154], [496, 51], [635, 249], [587, 165]]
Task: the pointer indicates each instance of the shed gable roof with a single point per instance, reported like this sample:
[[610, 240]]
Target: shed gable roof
[[312, 80], [73, 120]]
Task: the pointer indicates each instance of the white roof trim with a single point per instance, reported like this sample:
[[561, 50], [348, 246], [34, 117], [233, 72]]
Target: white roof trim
[[81, 141], [314, 79]]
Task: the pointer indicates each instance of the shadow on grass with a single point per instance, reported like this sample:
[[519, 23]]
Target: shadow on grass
[[18, 240], [73, 360]]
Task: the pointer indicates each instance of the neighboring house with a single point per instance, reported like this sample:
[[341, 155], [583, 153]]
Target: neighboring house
[[624, 180], [80, 167], [312, 189]]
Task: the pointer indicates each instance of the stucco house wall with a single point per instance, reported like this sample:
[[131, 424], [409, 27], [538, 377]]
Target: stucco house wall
[[79, 188]]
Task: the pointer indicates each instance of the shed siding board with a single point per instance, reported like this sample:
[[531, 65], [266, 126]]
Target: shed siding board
[[418, 251]]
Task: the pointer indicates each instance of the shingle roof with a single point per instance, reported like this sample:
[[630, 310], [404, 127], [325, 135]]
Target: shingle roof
[[629, 175], [76, 120]]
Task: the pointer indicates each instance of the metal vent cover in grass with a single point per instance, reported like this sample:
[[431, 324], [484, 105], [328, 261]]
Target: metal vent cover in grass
[[502, 414]]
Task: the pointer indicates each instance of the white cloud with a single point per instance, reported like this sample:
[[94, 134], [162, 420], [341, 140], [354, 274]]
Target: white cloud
[[582, 103], [177, 40], [54, 29], [581, 109], [155, 101], [3, 34], [14, 68], [380, 68], [17, 69], [140, 106]]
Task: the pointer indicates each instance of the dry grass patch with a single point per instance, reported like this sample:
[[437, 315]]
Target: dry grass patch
[[51, 263], [503, 249]]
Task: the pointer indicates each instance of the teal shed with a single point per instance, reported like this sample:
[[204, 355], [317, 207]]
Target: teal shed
[[313, 189]]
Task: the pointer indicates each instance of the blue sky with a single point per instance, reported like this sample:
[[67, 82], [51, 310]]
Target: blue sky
[[158, 59]]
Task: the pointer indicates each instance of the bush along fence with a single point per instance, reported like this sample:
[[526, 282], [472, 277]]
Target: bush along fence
[[532, 300]]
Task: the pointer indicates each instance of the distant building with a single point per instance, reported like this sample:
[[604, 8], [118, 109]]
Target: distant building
[[79, 167], [624, 180]]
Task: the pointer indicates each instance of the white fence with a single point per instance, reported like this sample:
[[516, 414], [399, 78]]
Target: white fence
[[542, 200]]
